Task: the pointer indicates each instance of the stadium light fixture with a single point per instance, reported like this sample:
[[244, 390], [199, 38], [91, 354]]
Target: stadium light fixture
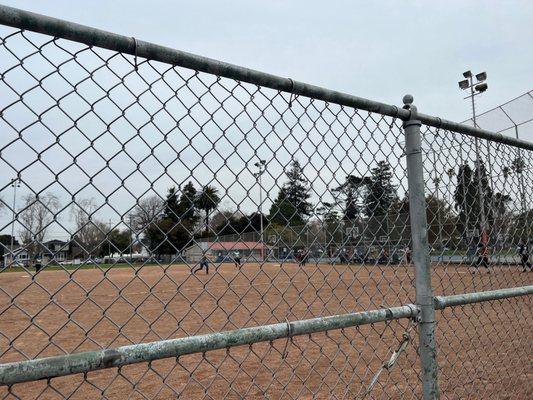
[[481, 76], [481, 87], [463, 84], [467, 74]]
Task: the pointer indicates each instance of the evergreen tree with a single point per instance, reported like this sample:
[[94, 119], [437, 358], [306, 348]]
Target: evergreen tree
[[292, 206], [167, 237], [380, 196], [351, 191], [283, 212], [172, 231], [297, 190], [464, 197], [5, 243], [381, 193], [171, 204], [441, 220], [481, 181], [117, 242], [467, 197], [186, 206]]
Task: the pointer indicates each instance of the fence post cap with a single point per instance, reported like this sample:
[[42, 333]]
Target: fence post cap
[[408, 99]]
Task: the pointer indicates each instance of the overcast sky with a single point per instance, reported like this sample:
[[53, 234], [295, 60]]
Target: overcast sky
[[378, 50]]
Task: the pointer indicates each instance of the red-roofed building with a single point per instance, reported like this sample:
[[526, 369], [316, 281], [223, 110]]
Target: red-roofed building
[[225, 251]]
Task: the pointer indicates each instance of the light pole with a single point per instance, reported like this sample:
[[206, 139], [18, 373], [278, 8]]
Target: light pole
[[324, 210], [436, 181], [476, 89], [337, 203], [15, 183], [261, 168], [109, 242], [131, 238]]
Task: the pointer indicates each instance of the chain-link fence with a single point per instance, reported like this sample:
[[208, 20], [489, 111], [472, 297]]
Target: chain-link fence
[[513, 118], [177, 226], [479, 205]]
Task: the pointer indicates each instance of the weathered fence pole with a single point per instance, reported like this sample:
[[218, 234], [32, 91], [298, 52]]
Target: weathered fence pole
[[420, 251]]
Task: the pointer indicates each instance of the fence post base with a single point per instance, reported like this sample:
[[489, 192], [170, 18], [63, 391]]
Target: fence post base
[[420, 247]]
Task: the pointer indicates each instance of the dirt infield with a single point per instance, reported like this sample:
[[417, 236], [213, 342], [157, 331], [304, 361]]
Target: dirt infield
[[483, 349]]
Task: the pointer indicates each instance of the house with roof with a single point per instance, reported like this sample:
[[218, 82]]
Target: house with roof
[[51, 252], [55, 251]]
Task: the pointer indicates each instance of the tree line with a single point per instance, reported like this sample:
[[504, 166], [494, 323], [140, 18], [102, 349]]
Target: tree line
[[169, 225]]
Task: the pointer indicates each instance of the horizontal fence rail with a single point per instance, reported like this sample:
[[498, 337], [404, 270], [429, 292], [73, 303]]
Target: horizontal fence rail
[[95, 37], [51, 367], [94, 360], [442, 302]]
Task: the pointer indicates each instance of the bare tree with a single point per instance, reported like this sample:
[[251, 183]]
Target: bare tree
[[35, 216], [146, 212], [89, 231]]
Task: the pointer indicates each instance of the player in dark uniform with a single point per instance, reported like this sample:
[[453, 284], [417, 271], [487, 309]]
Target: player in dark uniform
[[523, 252], [482, 257], [204, 263], [237, 259]]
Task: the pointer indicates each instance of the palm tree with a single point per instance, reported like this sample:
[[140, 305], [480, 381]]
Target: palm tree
[[451, 173], [506, 172], [207, 200]]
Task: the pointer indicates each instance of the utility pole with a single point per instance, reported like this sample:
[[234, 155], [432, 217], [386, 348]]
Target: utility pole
[[261, 166], [15, 183], [109, 241], [131, 239]]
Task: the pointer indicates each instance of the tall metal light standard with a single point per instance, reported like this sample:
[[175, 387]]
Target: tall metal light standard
[[337, 203], [261, 168], [476, 89], [130, 216], [109, 242], [15, 183]]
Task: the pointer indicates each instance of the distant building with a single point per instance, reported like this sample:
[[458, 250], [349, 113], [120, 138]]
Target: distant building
[[223, 251], [51, 252], [55, 251], [16, 256]]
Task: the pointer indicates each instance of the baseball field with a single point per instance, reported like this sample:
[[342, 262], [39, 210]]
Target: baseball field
[[58, 312]]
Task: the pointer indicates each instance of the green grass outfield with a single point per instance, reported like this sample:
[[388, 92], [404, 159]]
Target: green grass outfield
[[74, 267]]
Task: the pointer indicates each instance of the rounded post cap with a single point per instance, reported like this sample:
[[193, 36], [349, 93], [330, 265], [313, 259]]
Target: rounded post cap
[[408, 99]]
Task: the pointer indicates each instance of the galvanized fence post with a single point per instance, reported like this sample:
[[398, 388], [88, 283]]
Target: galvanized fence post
[[420, 251]]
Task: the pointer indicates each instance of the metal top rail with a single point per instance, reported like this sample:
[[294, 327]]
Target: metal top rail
[[95, 37]]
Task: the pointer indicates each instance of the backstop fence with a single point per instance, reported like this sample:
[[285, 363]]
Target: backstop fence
[[126, 165]]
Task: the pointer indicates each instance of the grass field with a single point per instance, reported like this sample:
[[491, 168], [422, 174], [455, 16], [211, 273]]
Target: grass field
[[483, 349]]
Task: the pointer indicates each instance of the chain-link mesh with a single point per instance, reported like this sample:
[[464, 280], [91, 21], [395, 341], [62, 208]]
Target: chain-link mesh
[[142, 202], [479, 227], [485, 350], [479, 217], [125, 181], [513, 118]]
